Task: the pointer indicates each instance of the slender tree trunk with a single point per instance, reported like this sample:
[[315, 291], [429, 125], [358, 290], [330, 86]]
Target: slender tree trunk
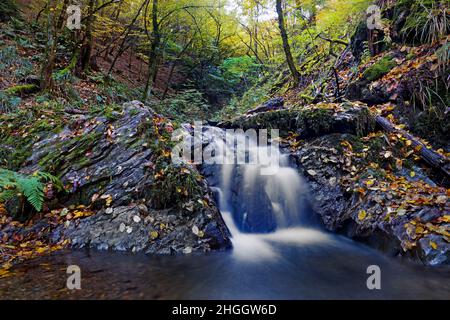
[[174, 64], [88, 41], [125, 37], [50, 52], [153, 54], [287, 48], [62, 15]]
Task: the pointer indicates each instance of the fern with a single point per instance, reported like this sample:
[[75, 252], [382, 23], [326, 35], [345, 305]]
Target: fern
[[31, 187]]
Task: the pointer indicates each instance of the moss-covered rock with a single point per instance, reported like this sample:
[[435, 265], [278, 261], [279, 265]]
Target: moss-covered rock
[[310, 121], [379, 69]]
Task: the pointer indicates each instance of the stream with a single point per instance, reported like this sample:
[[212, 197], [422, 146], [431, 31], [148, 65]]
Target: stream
[[279, 252]]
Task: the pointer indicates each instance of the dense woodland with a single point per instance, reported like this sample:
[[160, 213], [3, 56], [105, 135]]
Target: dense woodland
[[296, 65]]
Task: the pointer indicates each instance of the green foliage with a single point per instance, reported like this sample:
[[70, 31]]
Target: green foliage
[[12, 63], [257, 94], [238, 69], [175, 186], [8, 9], [14, 184], [339, 17], [8, 103], [428, 20], [379, 69], [187, 105]]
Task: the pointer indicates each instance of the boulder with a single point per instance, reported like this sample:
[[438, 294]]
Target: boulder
[[109, 164], [310, 121], [374, 217]]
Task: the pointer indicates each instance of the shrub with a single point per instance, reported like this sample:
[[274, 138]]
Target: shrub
[[187, 105]]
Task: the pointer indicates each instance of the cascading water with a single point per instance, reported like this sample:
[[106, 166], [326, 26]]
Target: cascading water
[[263, 200]]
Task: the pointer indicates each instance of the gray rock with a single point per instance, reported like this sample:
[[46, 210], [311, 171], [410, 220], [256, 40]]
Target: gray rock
[[119, 231], [107, 162], [338, 209]]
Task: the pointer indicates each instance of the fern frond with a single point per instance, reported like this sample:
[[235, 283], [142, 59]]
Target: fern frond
[[33, 190], [7, 195]]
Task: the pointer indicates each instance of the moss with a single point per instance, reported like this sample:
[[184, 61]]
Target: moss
[[308, 122], [379, 69], [410, 56], [67, 71], [19, 131], [56, 162], [21, 89]]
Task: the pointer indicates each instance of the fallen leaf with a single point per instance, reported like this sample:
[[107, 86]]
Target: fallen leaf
[[441, 199], [154, 235], [362, 215]]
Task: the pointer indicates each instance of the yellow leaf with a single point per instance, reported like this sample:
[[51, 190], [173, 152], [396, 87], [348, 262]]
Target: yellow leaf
[[41, 249], [154, 235], [433, 245], [362, 215], [412, 174]]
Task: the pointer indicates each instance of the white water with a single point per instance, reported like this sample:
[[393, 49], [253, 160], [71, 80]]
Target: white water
[[285, 189]]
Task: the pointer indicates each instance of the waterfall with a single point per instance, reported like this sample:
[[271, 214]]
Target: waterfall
[[263, 194], [259, 209]]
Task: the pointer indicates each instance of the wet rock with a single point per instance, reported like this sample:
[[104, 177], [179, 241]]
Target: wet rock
[[252, 214], [434, 250]]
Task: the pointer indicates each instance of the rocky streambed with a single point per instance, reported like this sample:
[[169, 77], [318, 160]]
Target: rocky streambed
[[123, 193]]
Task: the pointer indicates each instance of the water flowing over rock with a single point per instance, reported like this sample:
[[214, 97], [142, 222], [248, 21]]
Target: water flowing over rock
[[258, 188], [329, 137]]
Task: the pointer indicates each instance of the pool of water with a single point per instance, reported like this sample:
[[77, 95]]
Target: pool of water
[[297, 263]]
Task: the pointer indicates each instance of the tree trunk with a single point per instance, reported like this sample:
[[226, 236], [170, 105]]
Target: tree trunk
[[153, 54], [88, 40], [62, 15], [287, 48], [50, 52]]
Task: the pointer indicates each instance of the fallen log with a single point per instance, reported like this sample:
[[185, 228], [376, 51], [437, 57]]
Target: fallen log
[[430, 156]]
